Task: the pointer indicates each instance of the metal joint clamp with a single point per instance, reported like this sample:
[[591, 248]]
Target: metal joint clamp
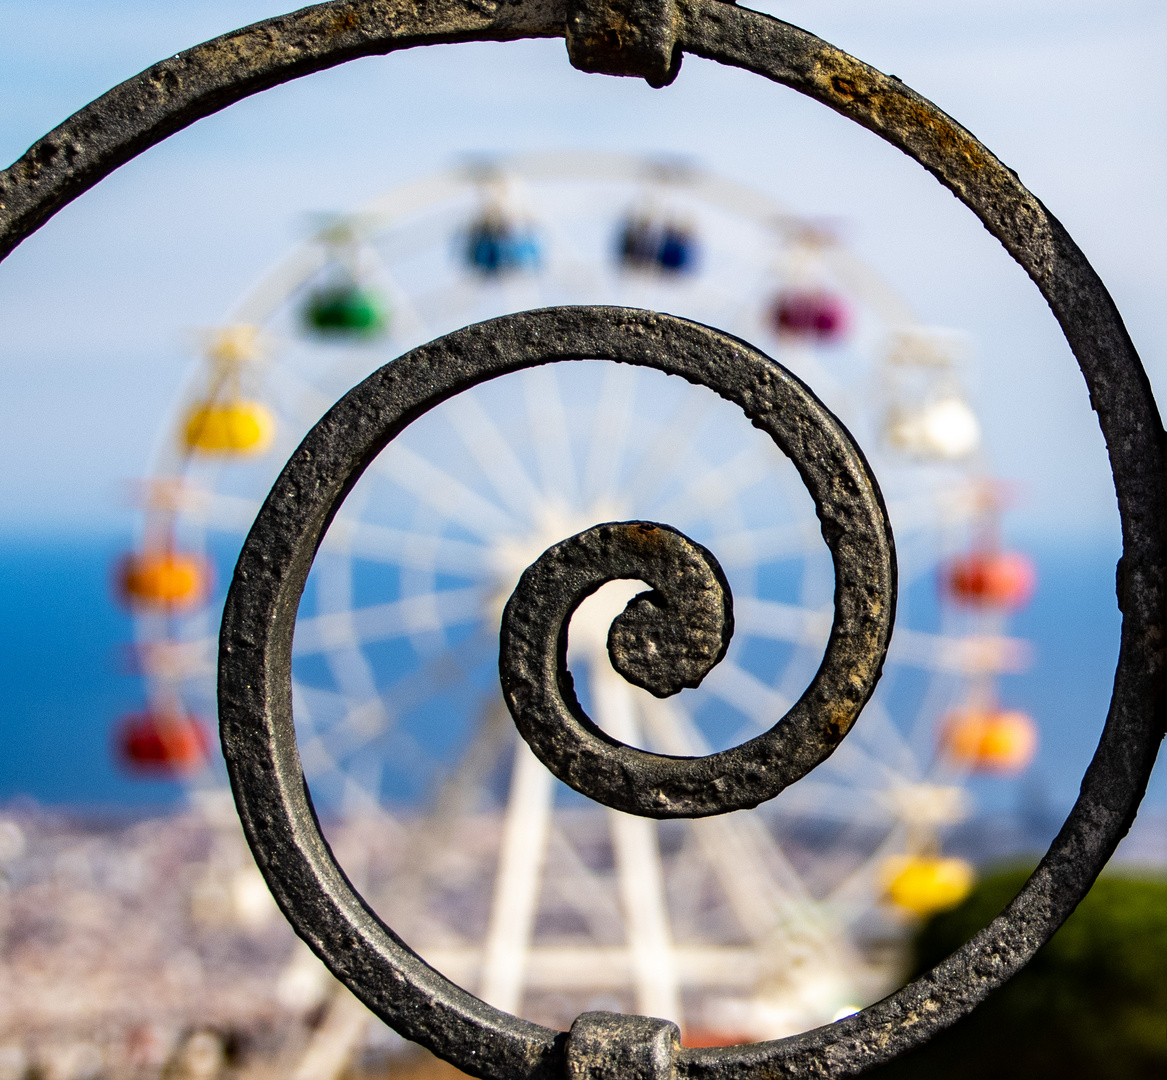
[[625, 37]]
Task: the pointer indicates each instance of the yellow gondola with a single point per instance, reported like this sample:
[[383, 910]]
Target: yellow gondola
[[229, 428], [926, 884]]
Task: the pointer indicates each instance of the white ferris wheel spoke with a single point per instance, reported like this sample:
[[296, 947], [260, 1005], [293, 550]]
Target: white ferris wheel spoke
[[642, 896], [406, 320], [950, 504], [360, 725], [436, 488], [329, 722], [272, 291], [782, 622], [448, 305], [493, 454], [609, 434], [821, 800], [710, 489], [976, 654], [663, 458], [225, 513], [450, 667], [762, 886], [305, 403], [746, 548], [411, 550], [325, 745], [382, 622], [756, 699], [315, 756], [516, 887], [868, 768], [638, 864], [351, 670], [876, 728], [353, 675], [831, 799], [547, 420], [340, 753], [856, 891], [581, 889], [970, 655]]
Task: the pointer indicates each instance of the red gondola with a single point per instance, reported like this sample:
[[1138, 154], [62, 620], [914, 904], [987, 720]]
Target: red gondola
[[162, 742], [991, 579]]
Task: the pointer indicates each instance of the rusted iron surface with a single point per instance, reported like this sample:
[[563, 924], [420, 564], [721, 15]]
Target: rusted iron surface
[[625, 37], [610, 1046], [196, 83], [688, 612], [255, 690], [666, 640]]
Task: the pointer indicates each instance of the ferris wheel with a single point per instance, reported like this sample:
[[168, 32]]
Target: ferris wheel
[[758, 924]]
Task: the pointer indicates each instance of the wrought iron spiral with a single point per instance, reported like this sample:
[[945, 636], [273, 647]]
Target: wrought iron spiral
[[645, 38]]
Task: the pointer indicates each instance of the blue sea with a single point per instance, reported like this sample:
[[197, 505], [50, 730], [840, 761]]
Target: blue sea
[[66, 680]]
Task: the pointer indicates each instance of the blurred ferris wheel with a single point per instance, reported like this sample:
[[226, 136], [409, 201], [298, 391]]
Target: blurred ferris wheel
[[755, 925]]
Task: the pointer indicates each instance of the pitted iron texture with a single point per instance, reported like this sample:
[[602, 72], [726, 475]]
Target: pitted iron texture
[[170, 95], [625, 37], [670, 638], [611, 1046], [665, 640], [255, 690]]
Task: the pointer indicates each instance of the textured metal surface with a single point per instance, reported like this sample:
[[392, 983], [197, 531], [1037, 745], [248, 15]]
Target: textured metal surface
[[198, 82], [610, 1046], [625, 37], [255, 689], [665, 640], [671, 637]]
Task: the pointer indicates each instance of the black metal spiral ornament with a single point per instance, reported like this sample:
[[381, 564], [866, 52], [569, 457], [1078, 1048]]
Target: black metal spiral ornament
[[670, 635]]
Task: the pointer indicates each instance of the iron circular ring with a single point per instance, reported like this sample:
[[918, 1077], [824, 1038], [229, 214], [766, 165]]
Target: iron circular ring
[[198, 82]]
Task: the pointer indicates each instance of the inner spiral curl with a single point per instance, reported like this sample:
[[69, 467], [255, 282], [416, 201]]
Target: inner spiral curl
[[667, 639]]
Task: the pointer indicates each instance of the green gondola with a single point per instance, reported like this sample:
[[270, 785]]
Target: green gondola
[[346, 311]]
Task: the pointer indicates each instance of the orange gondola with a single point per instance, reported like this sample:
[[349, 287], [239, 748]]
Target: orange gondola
[[163, 581], [990, 740]]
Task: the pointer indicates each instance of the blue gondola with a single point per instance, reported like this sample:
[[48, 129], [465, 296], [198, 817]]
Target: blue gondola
[[648, 245], [495, 246]]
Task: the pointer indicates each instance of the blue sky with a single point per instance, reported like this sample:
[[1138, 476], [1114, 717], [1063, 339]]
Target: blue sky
[[97, 307]]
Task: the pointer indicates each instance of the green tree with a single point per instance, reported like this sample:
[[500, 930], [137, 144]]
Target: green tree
[[1091, 1004]]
